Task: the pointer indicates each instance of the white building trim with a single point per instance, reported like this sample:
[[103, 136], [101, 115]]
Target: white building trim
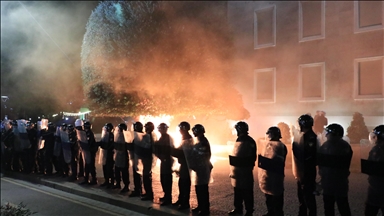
[[312, 99], [315, 37], [357, 28], [255, 32], [265, 70], [356, 95]]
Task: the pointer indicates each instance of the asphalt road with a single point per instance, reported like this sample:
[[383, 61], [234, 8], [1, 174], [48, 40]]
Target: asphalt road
[[48, 201]]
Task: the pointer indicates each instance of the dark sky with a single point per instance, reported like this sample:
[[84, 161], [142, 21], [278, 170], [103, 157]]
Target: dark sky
[[40, 54]]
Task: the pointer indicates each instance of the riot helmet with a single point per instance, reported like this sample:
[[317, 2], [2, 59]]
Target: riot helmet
[[198, 129], [30, 124], [305, 122], [70, 128], [51, 126], [87, 125], [108, 127], [79, 123], [379, 132], [274, 133], [138, 127], [122, 126], [335, 130], [162, 126], [149, 127], [185, 126], [64, 126], [241, 127]]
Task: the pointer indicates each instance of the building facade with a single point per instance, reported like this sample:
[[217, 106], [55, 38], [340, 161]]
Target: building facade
[[296, 57]]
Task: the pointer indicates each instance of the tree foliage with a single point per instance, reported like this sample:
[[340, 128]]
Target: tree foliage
[[151, 58], [357, 130], [285, 133]]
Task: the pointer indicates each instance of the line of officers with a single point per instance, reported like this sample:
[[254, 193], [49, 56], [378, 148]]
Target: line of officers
[[328, 155]]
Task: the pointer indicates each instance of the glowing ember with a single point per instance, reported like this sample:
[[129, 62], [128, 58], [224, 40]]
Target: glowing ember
[[219, 152]]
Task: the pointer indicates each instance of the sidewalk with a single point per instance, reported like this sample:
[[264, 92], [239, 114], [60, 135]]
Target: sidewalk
[[221, 192]]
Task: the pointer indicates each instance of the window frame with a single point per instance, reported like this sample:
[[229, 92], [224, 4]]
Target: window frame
[[315, 37], [357, 28], [263, 70], [255, 44], [300, 93], [356, 95]]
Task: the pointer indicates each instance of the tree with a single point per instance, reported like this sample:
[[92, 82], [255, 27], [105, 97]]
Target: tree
[[285, 133], [151, 58], [357, 130]]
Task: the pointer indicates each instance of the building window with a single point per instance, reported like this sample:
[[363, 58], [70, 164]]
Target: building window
[[311, 20], [369, 15], [265, 85], [312, 82], [265, 27], [369, 78]]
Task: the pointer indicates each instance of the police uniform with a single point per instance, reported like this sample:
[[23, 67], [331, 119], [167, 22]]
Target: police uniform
[[108, 162], [304, 166], [93, 148], [374, 167], [163, 152], [271, 176], [334, 159], [202, 165], [242, 162], [184, 174], [75, 151]]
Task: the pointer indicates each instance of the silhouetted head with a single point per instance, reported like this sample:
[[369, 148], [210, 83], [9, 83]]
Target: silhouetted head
[[108, 127], [149, 127], [87, 125], [305, 122], [122, 127], [162, 128], [138, 127], [241, 128], [198, 130], [379, 132], [274, 133], [334, 130]]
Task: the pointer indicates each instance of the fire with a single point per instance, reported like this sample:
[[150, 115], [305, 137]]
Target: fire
[[163, 118], [219, 152]]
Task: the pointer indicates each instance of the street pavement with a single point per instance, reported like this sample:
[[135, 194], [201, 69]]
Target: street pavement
[[46, 201], [221, 191]]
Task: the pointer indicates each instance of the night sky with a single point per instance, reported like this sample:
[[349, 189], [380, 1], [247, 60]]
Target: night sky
[[40, 56]]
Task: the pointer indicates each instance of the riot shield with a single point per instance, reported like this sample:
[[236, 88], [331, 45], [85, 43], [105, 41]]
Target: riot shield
[[197, 161], [44, 124], [138, 152], [297, 154], [103, 146], [121, 153], [66, 145], [57, 148], [241, 165], [162, 150], [83, 141], [187, 147], [271, 164], [372, 158]]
